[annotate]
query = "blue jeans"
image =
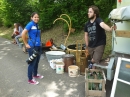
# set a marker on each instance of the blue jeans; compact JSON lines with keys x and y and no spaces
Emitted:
{"x":33,"y":66}
{"x":17,"y":38}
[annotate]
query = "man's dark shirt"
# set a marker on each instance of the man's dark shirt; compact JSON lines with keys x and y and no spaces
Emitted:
{"x":97,"y":35}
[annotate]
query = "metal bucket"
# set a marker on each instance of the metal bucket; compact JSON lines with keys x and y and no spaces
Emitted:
{"x":68,"y":59}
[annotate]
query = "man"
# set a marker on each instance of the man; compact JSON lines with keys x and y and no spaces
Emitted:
{"x":95,"y":36}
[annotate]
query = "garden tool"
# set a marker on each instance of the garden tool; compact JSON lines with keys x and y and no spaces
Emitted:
{"x":62,"y":46}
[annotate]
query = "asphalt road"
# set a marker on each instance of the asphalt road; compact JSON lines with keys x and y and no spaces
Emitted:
{"x":13,"y":77}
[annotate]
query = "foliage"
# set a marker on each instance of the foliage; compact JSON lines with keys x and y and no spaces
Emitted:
{"x":14,"y":11}
{"x":20,"y":10}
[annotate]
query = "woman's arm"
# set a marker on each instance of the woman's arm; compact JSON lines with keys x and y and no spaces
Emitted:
{"x":24,"y":37}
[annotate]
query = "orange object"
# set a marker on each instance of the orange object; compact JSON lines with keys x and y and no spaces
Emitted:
{"x":48,"y":43}
{"x":119,"y":1}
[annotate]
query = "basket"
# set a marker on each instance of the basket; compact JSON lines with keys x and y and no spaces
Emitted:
{"x":54,"y":55}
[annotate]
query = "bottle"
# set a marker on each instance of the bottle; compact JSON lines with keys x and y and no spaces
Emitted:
{"x":100,"y":77}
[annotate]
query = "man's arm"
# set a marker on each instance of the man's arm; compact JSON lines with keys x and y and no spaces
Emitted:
{"x":86,"y":38}
{"x":86,"y":41}
{"x":106,"y":27}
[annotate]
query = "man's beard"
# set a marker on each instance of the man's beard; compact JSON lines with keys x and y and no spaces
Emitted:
{"x":92,"y":17}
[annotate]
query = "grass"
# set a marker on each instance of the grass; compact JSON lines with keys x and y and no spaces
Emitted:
{"x":6,"y":32}
{"x":59,"y":36}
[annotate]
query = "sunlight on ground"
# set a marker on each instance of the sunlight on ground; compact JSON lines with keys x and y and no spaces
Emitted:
{"x":51,"y":90}
{"x":53,"y":86}
{"x":5,"y":43}
{"x":3,"y":50}
{"x":34,"y":95}
{"x":1,"y":57}
{"x":70,"y":91}
{"x":51,"y":94}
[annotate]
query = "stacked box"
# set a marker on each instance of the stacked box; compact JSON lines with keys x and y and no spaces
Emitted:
{"x":95,"y":81}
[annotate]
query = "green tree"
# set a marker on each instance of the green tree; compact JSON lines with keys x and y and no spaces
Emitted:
{"x":14,"y":11}
{"x":19,"y":11}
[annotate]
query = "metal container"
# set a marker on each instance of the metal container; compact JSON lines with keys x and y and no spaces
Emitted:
{"x":54,"y":55}
{"x":83,"y":64}
{"x":69,"y":59}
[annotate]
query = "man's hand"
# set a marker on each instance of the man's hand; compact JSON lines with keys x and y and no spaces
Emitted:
{"x":86,"y":52}
{"x":114,"y":27}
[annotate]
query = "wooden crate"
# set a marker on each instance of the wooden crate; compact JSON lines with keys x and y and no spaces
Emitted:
{"x":93,"y":93}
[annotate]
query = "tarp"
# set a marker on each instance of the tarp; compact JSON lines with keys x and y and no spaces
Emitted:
{"x":122,"y":13}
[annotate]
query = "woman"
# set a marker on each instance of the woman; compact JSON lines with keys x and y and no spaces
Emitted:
{"x":15,"y":33}
{"x":20,"y":29}
{"x":33,"y":43}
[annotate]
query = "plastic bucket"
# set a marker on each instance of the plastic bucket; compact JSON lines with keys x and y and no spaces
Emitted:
{"x":52,"y":64}
{"x":73,"y":71}
{"x":59,"y":67}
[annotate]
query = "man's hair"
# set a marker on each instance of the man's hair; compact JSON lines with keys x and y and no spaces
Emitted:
{"x":95,"y":9}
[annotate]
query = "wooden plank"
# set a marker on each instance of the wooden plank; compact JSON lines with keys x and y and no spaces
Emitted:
{"x":95,"y":93}
{"x":95,"y":80}
{"x":86,"y":88}
{"x":123,"y":33}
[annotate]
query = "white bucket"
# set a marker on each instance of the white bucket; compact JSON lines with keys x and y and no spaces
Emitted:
{"x":73,"y":71}
{"x":54,"y":61}
{"x":52,"y":64}
{"x":59,"y":67}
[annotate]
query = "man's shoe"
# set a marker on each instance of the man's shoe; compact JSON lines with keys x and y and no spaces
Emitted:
{"x":90,"y":66}
{"x":38,"y":76}
{"x":33,"y":82}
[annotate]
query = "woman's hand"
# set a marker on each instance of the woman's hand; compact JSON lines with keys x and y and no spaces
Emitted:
{"x":27,"y":46}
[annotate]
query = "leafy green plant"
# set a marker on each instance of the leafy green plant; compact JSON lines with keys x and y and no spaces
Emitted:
{"x":14,"y":11}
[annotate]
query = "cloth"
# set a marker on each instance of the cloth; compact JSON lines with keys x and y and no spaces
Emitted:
{"x":33,"y":66}
{"x":33,"y":33}
{"x":96,"y":52}
{"x":97,"y":35}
